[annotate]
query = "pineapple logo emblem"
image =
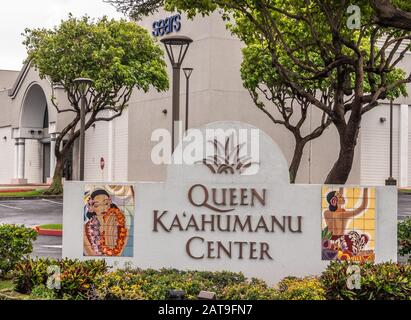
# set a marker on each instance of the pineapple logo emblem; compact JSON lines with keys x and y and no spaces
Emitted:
{"x":227,"y":158}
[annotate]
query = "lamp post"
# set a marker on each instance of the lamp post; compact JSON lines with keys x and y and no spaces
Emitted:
{"x":83,"y":86}
{"x":187,"y":73}
{"x":176,"y":47}
{"x":391,"y":181}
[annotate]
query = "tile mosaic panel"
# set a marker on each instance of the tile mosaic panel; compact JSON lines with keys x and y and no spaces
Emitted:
{"x":108,"y":220}
{"x":348,"y":224}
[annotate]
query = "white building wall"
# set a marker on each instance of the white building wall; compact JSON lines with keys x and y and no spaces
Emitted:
{"x":33,"y":161}
{"x":107,"y":140}
{"x":375,"y":145}
{"x":6,"y":155}
{"x":119,"y":152}
{"x":96,"y":148}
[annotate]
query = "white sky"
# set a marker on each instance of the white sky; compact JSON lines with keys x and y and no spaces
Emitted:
{"x":16,"y":15}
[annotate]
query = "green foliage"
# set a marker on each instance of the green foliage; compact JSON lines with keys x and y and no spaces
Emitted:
{"x":92,"y":280}
{"x":154,"y":285}
{"x":44,"y":293}
{"x":252,"y":290}
{"x":404,"y":238}
{"x":402,"y":4}
{"x":385,"y":281}
{"x":77,"y":277}
{"x":22,"y":194}
{"x":114,"y":54}
{"x":16,"y":243}
{"x":293,"y":288}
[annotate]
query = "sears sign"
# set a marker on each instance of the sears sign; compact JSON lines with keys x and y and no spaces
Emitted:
{"x":166,"y":26}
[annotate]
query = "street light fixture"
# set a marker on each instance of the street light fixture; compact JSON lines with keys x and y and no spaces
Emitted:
{"x":83,"y":86}
{"x":187,"y":73}
{"x":176,"y":48}
{"x":391,"y":181}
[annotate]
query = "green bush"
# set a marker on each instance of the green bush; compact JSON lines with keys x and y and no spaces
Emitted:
{"x":44,"y":293}
{"x":385,"y":281}
{"x":76,"y":277}
{"x":150,"y":284}
{"x":309,"y":288}
{"x":16,"y":243}
{"x":404,"y":238}
{"x":253,"y":290}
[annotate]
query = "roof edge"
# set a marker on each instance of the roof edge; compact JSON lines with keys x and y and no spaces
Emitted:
{"x":12,"y":92}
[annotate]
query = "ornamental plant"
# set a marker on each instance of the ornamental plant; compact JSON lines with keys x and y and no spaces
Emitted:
{"x":309,"y":288}
{"x":16,"y":243}
{"x":404,"y":238}
{"x":384,"y":281}
{"x":77,"y":277}
{"x":150,"y":284}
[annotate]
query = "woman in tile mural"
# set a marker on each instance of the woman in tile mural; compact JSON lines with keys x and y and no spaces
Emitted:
{"x":105,"y":231}
{"x":338,"y":242}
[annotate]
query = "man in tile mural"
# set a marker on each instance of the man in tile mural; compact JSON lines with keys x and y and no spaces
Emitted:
{"x":339,"y":241}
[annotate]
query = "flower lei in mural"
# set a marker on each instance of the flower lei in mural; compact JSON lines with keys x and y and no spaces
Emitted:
{"x":93,"y":233}
{"x":121,"y":234}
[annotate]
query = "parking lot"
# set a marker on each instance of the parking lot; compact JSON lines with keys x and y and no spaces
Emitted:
{"x":44,"y":211}
{"x":32,"y":213}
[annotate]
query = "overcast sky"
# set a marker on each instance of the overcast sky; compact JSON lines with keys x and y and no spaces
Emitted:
{"x":16,"y":15}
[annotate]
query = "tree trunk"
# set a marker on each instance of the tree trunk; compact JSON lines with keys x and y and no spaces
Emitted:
{"x":56,"y":187}
{"x":341,"y":170}
{"x":295,"y":163}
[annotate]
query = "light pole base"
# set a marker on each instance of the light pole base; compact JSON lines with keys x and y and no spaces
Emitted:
{"x":390,"y":182}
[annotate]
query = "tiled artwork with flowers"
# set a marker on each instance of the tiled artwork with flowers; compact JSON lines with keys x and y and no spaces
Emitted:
{"x":108,"y":220}
{"x":348,"y":224}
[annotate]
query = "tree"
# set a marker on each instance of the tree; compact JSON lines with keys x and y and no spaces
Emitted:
{"x":118,"y":55}
{"x":310,"y":40}
{"x":285,"y":106}
{"x":387,"y":13}
{"x":393,"y":13}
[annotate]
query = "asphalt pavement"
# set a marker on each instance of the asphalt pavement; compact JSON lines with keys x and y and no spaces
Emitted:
{"x":44,"y":211}
{"x":32,"y":213}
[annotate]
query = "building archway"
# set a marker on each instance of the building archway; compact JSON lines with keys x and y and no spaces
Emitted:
{"x":33,"y":141}
{"x":34,"y":108}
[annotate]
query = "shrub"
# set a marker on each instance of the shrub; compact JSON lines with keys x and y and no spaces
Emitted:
{"x":404,"y":238}
{"x":77,"y":277}
{"x":309,"y":288}
{"x":252,"y":290}
{"x":44,"y":293}
{"x":385,"y":281}
{"x":16,"y":243}
{"x":150,"y":284}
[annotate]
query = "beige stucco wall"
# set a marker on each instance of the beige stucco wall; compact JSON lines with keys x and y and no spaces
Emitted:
{"x":7,"y":78}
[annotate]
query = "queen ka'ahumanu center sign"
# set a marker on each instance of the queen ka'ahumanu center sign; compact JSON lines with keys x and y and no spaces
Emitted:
{"x":227,"y":210}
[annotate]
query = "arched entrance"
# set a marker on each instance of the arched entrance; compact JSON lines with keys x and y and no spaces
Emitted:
{"x":34,"y":108}
{"x":34,"y":143}
{"x":32,"y":138}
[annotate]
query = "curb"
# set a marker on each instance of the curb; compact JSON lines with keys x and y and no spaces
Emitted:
{"x":30,"y":198}
{"x":48,"y":232}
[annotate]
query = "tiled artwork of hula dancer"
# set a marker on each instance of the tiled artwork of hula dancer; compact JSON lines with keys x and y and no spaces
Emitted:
{"x":108,"y":220}
{"x":348,"y":224}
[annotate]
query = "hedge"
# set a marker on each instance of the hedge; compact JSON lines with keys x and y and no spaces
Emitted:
{"x":93,"y":280}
